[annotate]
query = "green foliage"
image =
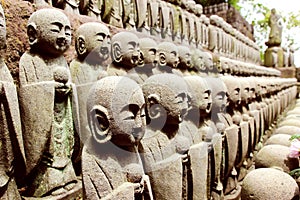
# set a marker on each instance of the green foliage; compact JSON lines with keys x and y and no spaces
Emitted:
{"x":234,"y":3}
{"x":295,"y":173}
{"x":295,"y":136}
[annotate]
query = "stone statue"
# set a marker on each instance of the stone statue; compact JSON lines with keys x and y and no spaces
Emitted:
{"x":193,"y":127}
{"x":91,"y":8}
{"x":185,"y":59}
{"x":47,"y":119}
{"x":113,"y":12}
{"x":125,"y":54}
{"x":168,"y":58}
{"x":148,"y":49}
{"x":232,"y":145}
{"x":12,"y":157}
{"x":163,"y":149}
{"x":130,"y":14}
{"x":71,"y":6}
{"x":111,"y":164}
{"x":198,"y":62}
{"x":219,"y":102}
{"x":276,"y":24}
{"x":92,"y":44}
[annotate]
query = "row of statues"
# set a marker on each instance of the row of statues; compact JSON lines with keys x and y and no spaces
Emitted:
{"x":181,"y":22}
{"x":130,"y":116}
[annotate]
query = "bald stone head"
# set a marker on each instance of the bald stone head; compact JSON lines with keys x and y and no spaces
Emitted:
{"x":115,"y":108}
{"x":185,"y":57}
{"x":148,"y":48}
{"x":125,"y":49}
{"x":201,"y":93}
{"x":93,"y":39}
{"x":198,"y":60}
{"x":219,"y":94}
{"x":166,"y":97}
{"x":49,"y":32}
{"x":168,"y":54}
{"x":233,"y":89}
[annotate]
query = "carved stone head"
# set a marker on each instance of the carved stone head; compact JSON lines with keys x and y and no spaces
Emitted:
{"x":219,"y":94}
{"x":166,"y":98}
{"x":185,"y":57}
{"x":245,"y":90}
{"x":125,"y":49}
{"x":148,"y":49}
{"x":198,"y":61}
{"x":49,"y":32}
{"x":233,"y":89}
{"x":2,"y":29}
{"x":93,"y":40}
{"x":201,"y":93}
{"x":168,"y":54}
{"x":198,"y":10}
{"x":115,"y":108}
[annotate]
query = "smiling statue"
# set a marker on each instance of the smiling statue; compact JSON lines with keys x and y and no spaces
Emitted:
{"x":111,"y":164}
{"x":47,"y":118}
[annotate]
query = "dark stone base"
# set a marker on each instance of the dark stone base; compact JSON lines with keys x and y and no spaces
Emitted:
{"x":74,"y":194}
{"x":287,"y":72}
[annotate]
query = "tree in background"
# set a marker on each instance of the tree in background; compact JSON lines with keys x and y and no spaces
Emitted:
{"x":258,"y":14}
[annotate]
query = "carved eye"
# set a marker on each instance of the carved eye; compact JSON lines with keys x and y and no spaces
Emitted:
{"x":55,"y":30}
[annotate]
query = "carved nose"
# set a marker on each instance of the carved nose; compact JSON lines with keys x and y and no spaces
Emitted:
{"x":135,"y":58}
{"x":137,"y":133}
{"x":61,"y":41}
{"x":104,"y":50}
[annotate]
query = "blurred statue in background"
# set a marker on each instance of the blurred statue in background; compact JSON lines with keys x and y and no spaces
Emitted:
{"x":276,"y":24}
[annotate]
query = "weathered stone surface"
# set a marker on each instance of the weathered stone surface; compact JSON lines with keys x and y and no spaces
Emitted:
{"x":281,"y":139}
{"x":290,"y":130}
{"x":268,"y":183}
{"x":290,"y":122}
{"x":275,"y":155}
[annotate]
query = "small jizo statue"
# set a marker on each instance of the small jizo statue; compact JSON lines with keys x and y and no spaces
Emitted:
{"x":92,"y":44}
{"x":168,"y":58}
{"x":12,"y":159}
{"x":148,"y":48}
{"x":185,"y":60}
{"x":125,"y":54}
{"x":162,"y":147}
{"x":46,"y":101}
{"x":111,"y":164}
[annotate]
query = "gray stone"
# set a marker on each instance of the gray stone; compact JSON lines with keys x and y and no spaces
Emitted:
{"x":281,"y":139}
{"x":268,"y":183}
{"x":275,"y":155}
{"x":49,"y":117}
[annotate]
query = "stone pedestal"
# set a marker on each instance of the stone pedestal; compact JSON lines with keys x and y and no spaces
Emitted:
{"x":274,"y":57}
{"x":287,"y":72}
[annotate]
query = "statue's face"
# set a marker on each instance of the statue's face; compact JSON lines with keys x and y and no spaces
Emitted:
{"x":54,"y":35}
{"x":168,"y":55}
{"x":131,"y":51}
{"x":245,"y":91}
{"x":198,"y":60}
{"x":128,"y":118}
{"x":98,"y":42}
{"x":177,"y":107}
{"x":149,"y":50}
{"x":185,"y":58}
{"x":2,"y":29}
{"x":220,"y":101}
{"x":208,"y":61}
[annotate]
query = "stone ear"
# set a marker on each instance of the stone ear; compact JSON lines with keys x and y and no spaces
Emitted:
{"x":116,"y":52}
{"x":100,"y":124}
{"x":153,"y":106}
{"x":32,"y":33}
{"x":141,"y":59}
{"x":80,"y":45}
